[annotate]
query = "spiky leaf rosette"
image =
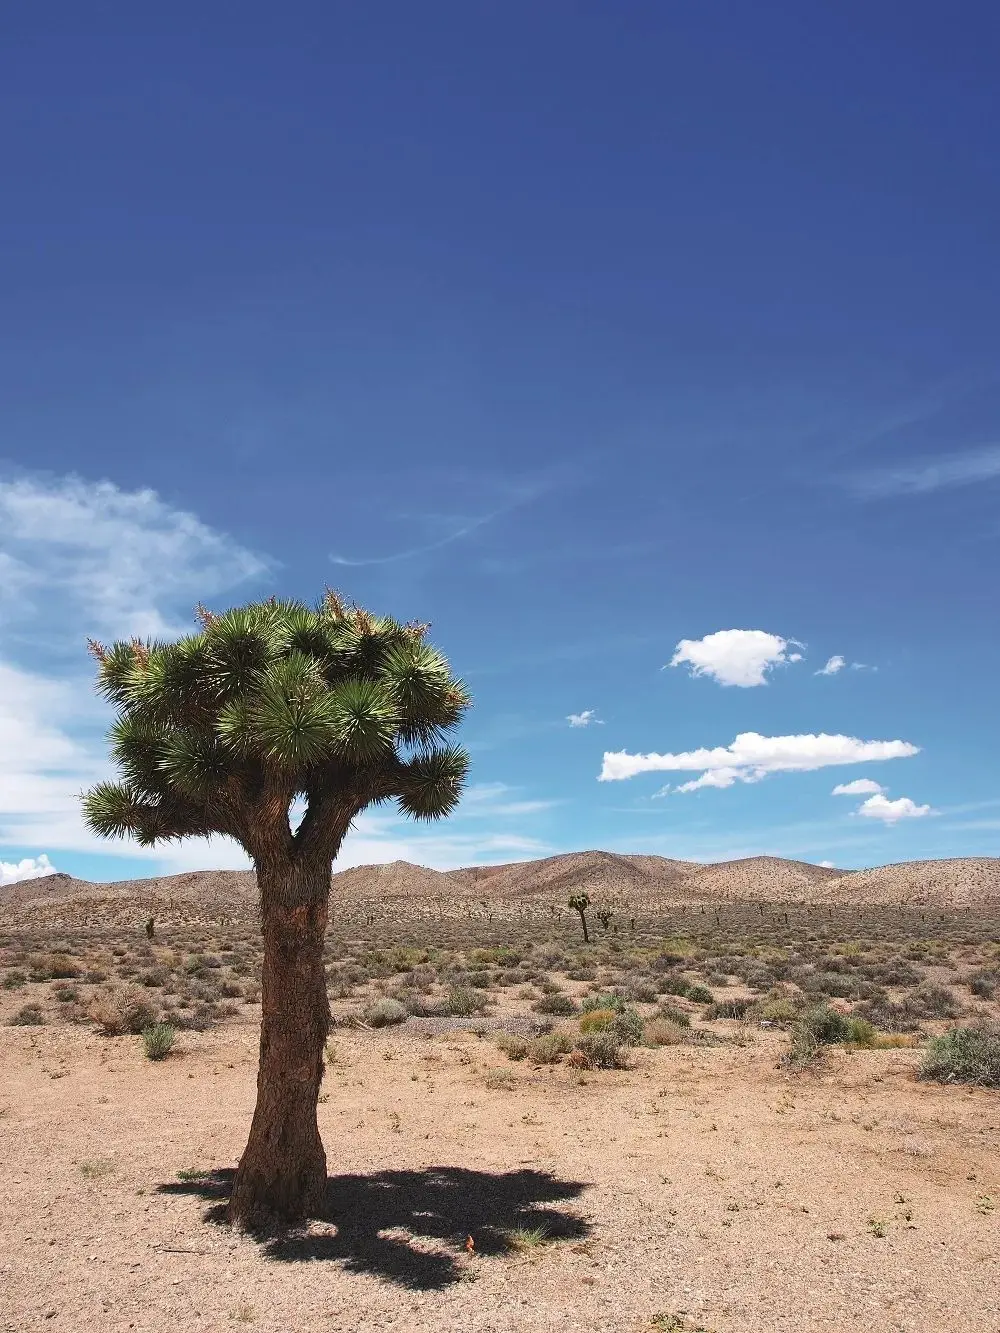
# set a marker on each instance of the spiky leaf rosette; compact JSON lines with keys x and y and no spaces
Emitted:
{"x":221,"y":731}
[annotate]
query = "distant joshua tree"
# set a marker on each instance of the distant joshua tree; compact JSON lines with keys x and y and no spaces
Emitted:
{"x":579,"y":903}
{"x":266,"y":707}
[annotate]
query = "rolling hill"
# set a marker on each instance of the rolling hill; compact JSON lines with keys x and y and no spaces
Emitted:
{"x":604,"y":876}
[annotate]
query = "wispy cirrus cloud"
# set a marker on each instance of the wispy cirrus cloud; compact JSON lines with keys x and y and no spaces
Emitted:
{"x":929,"y":474}
{"x":588,"y":718}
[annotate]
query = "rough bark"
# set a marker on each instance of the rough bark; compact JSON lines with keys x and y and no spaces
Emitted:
{"x":281,"y":1179}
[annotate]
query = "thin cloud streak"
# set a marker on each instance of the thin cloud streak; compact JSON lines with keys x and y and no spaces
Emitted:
{"x":932,"y":474}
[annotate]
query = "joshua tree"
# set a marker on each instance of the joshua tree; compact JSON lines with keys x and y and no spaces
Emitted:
{"x":579,"y":903}
{"x":276,"y":725}
{"x":604,"y":916}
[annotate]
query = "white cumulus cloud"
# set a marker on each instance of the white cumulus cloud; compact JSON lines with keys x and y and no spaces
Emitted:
{"x":752,"y":757}
{"x":859,"y":787}
{"x":31,"y":867}
{"x":735,"y":656}
{"x":890,"y":812}
{"x":585,"y":719}
{"x":834,"y":664}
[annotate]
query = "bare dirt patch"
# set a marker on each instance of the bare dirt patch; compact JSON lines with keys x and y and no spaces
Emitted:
{"x":703,"y":1185}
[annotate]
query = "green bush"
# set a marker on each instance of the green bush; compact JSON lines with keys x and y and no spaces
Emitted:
{"x":727,"y":1008}
{"x":982,"y":983}
{"x":384,"y":1013}
{"x":463,"y":1001}
{"x":626,"y":1028}
{"x":674,"y":985}
{"x":14,"y":979}
{"x":777,"y":1009}
{"x":861,"y":1033}
{"x":514,"y":1047}
{"x":965,"y":1055}
{"x":158,"y":1041}
{"x":609,"y":1001}
{"x":699,"y":994}
{"x":558,"y":1004}
{"x":827,"y":1026}
{"x":602,"y":1051}
{"x":548,"y":1049}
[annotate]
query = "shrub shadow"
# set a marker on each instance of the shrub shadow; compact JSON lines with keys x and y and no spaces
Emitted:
{"x":411,"y":1227}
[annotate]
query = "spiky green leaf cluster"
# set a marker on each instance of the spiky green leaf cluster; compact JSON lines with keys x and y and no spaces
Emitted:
{"x":268,"y":702}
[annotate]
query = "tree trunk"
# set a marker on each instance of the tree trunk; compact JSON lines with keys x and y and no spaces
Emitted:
{"x":281,"y":1177}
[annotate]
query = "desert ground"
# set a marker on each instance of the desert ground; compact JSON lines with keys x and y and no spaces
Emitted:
{"x":484,"y":1175}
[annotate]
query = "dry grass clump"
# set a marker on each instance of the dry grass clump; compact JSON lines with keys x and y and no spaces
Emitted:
{"x":123,"y":1009}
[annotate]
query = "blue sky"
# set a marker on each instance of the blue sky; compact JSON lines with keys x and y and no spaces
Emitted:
{"x":589,"y":333}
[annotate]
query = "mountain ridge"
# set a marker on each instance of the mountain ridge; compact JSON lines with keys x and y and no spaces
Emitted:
{"x":612,"y":877}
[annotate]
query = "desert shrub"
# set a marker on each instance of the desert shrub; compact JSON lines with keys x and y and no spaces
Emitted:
{"x":664,"y":1032}
{"x":158,"y":1041}
{"x":827,"y":1026}
{"x":513,"y":1046}
{"x":557,"y":1004}
{"x":66,"y":992}
{"x":596,"y":1020}
{"x":550,"y":1048}
{"x":58,"y":966}
{"x":121,"y":1010}
{"x":830,"y":983}
{"x":965,"y":1055}
{"x":462,"y":1001}
{"x":757,"y":979}
{"x":609,"y":1001}
{"x":897,"y":971}
{"x":886,"y":1014}
{"x":384,"y":1013}
{"x":96,"y":976}
{"x":736,"y":1008}
{"x":718,"y":979}
{"x":777,"y":1009}
{"x":14,"y":979}
{"x":671,"y":983}
{"x":251,"y":992}
{"x":29,"y":1015}
{"x":626,"y":1028}
{"x":602,"y":1051}
{"x":931,"y":1002}
{"x":153,"y":978}
{"x":673,"y":1013}
{"x":699,"y":994}
{"x":861,"y":1033}
{"x":983,"y":983}
{"x":640,"y":990}
{"x":582,"y":973}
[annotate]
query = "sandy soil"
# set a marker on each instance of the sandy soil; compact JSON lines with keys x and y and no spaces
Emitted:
{"x":705,"y":1184}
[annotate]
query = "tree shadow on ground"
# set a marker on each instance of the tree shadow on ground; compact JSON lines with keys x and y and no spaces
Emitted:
{"x":412,"y":1227}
